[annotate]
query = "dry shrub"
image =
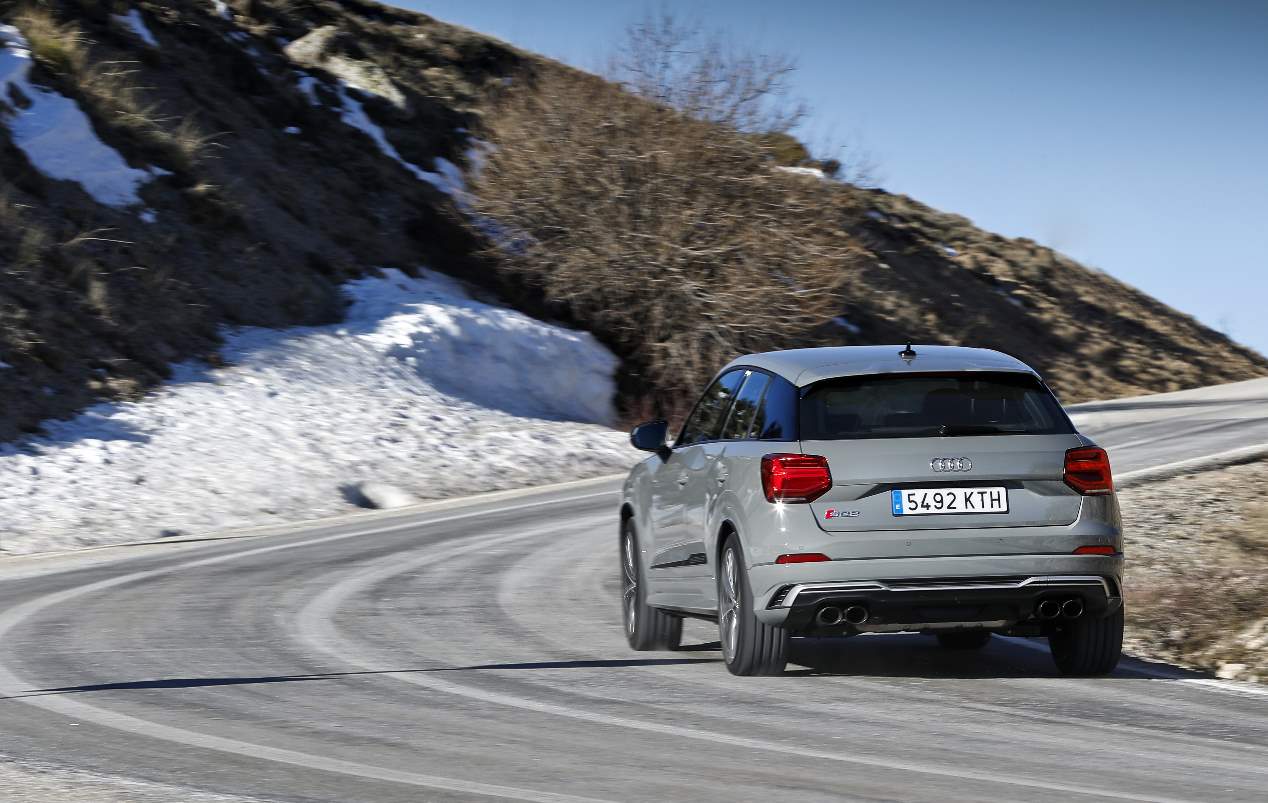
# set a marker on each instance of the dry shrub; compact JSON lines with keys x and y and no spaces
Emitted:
{"x":680,"y":65}
{"x":671,"y":238}
{"x":61,"y":49}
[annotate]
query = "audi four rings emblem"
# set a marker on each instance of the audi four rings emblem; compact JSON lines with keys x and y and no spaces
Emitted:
{"x":951,"y":464}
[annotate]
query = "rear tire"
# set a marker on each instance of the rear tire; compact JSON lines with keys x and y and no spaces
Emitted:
{"x":1088,"y":646}
{"x":749,"y":646}
{"x":964,"y":639}
{"x":646,"y":628}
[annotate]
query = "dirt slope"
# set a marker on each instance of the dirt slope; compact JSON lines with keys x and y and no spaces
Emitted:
{"x":937,"y":278}
{"x":271,"y":196}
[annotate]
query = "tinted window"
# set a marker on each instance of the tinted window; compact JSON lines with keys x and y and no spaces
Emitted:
{"x":745,"y":407}
{"x":930,"y":405}
{"x":776,"y":418}
{"x":706,"y":419}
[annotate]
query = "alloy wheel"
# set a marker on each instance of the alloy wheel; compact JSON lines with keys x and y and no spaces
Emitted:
{"x":729,"y":613}
{"x":629,"y":583}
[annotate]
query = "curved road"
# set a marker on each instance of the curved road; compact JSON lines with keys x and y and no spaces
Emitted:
{"x":474,"y":651}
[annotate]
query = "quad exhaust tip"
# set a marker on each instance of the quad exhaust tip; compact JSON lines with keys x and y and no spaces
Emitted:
{"x":831,"y":615}
{"x":1071,"y":608}
{"x":855,"y":614}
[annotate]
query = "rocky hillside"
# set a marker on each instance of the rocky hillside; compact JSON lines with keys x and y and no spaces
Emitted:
{"x":937,"y":277}
{"x":168,"y":168}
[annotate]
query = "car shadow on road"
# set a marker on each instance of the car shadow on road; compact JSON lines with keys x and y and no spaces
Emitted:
{"x":921,"y":657}
{"x":618,"y":663}
{"x":195,"y":683}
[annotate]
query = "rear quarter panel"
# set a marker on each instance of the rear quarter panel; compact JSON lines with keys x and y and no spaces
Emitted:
{"x":765,"y":530}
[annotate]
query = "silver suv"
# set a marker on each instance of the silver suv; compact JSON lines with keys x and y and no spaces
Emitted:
{"x":877,"y":489}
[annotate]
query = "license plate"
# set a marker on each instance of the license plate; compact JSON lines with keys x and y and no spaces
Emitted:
{"x":942,"y":501}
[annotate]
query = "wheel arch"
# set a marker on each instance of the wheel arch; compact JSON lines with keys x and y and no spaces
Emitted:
{"x":726,"y":531}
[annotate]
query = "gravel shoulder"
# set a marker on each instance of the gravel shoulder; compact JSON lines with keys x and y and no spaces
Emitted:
{"x":1197,"y":571}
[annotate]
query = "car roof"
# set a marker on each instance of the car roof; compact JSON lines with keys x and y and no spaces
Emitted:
{"x":807,"y":366}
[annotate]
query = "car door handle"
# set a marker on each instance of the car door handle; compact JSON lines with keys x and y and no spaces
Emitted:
{"x":682,"y":479}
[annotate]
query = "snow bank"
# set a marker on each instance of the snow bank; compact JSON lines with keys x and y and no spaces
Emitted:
{"x":55,"y":134}
{"x":421,"y":388}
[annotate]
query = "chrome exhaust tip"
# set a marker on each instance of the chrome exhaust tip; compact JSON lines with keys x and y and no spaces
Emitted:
{"x":1072,"y":608}
{"x":1048,"y":609}
{"x":855,"y":614}
{"x":829,"y":616}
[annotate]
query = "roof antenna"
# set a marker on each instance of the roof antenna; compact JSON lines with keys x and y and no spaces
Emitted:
{"x":908,"y":354}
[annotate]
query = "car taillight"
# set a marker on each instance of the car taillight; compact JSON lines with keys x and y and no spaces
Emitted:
{"x":1087,"y":470}
{"x":1096,"y":550}
{"x":795,"y":477}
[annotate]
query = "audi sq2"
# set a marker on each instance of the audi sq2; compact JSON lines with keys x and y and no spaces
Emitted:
{"x":874,"y":489}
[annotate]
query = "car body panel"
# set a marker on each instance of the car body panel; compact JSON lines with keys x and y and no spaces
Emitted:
{"x":722,"y":495}
{"x":865,"y":471}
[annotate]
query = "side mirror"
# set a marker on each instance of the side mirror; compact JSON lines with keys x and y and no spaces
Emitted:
{"x":650,"y":437}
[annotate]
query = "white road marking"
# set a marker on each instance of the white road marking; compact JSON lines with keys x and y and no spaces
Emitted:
{"x":1242,"y":453}
{"x":13,"y":686}
{"x":316,"y":627}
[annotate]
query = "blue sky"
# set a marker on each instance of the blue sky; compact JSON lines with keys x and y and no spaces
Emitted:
{"x":1132,"y":136}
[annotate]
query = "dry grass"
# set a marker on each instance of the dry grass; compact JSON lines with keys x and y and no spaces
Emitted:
{"x":110,"y":91}
{"x":1197,"y":573}
{"x":59,"y":48}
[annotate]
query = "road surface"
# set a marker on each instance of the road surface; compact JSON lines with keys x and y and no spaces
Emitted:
{"x":473,"y":651}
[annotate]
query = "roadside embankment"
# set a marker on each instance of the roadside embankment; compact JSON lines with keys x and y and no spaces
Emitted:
{"x":1197,"y":570}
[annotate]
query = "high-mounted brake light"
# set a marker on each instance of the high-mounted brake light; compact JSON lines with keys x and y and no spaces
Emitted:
{"x":1087,"y":470}
{"x":795,"y":477}
{"x":802,"y":557}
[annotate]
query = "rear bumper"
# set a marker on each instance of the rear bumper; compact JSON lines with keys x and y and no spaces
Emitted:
{"x":898,"y":594}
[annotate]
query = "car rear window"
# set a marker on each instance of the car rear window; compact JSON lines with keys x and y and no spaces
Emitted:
{"x":930,"y":405}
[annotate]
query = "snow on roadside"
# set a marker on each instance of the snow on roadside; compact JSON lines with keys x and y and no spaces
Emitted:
{"x":56,"y":135}
{"x":135,"y":23}
{"x":420,"y":387}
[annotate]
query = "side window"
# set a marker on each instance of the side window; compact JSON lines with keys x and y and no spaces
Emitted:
{"x":745,"y":407}
{"x":776,"y":419}
{"x":706,"y":419}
